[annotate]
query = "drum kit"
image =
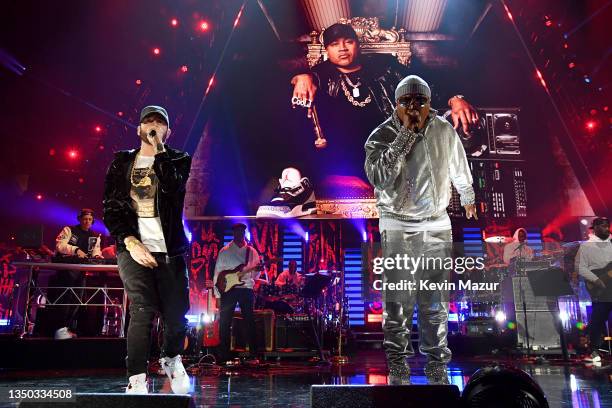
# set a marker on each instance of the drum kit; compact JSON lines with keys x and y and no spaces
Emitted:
{"x":320,"y":297}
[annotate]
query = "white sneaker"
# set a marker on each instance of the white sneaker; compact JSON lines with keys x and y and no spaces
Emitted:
{"x":179,"y":380}
{"x":138,"y":384}
{"x":63,"y":334}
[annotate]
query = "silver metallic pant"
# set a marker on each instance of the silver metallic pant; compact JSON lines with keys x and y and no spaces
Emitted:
{"x":432,"y":305}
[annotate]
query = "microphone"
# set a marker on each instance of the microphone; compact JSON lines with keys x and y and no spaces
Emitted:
{"x":159,"y":146}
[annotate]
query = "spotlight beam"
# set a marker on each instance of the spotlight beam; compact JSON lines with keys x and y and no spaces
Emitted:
{"x":214,"y":74}
{"x":269,"y":18}
{"x":558,"y":112}
{"x":587,"y":20}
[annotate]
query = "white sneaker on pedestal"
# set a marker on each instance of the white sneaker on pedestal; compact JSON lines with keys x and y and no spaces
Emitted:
{"x":179,"y":380}
{"x":138,"y":384}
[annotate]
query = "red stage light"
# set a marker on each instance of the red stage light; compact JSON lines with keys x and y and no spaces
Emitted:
{"x":119,"y":113}
{"x":51,"y":152}
{"x":571,"y":65}
{"x":138,"y":82}
{"x":156,"y":51}
{"x":374,"y":318}
{"x":605,"y":108}
{"x":204,"y":26}
{"x":174,"y":22}
{"x":377,"y":379}
{"x":566,"y":45}
{"x":541,"y":78}
{"x":81,"y":180}
{"x":508,"y":13}
{"x":101,"y":147}
{"x":39,"y":196}
{"x":593,"y":112}
{"x":591,"y":124}
{"x":184,"y":68}
{"x":98,"y":128}
{"x":73,"y":154}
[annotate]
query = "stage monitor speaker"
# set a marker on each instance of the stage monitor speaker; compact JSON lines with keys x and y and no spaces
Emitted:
{"x":404,"y":396}
{"x":116,"y":400}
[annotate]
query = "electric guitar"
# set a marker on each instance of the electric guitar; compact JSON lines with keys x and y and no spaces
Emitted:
{"x":597,"y":292}
{"x":231,"y":278}
{"x":211,"y":324}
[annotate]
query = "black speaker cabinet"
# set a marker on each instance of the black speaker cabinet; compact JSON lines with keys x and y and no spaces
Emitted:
{"x":404,"y":396}
{"x":96,"y":400}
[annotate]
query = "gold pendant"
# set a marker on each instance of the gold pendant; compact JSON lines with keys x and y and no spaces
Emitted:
{"x":355,"y":92}
{"x":146,"y":181}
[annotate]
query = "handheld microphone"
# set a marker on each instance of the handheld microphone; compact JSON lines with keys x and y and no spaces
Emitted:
{"x":152,"y":133}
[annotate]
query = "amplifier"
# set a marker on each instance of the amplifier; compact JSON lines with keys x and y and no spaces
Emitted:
{"x":295,"y":332}
{"x":541,"y":313}
{"x":265,"y":321}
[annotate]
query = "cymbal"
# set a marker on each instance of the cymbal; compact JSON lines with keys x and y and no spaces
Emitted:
{"x":499,"y":239}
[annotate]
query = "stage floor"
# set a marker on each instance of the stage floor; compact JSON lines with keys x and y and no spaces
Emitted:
{"x":287,"y":383}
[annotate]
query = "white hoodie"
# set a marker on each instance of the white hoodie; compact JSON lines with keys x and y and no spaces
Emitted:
{"x":593,"y":254}
{"x":514,"y":248}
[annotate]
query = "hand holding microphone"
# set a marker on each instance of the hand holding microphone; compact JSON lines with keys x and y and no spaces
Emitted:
{"x":158,"y":144}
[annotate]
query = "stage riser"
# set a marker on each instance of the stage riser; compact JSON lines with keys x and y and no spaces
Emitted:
{"x":59,"y":354}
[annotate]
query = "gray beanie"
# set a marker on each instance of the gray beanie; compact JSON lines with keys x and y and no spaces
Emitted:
{"x":412,"y":84}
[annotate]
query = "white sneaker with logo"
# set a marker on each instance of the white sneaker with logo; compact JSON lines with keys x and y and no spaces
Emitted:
{"x":179,"y":380}
{"x":294,"y":197}
{"x":138,"y":384}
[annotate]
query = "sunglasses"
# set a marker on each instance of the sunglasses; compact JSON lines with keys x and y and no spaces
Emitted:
{"x":408,"y":101}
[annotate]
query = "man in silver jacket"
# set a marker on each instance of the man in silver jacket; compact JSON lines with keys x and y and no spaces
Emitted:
{"x":411,"y":160}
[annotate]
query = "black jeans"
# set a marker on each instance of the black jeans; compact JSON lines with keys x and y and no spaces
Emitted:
{"x":164,"y":290}
{"x":599,"y":315}
{"x":245,"y":298}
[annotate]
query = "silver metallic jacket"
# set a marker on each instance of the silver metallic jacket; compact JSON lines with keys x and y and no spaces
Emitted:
{"x":411,"y":172}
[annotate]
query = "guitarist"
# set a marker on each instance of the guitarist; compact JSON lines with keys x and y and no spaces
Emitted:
{"x":238,"y":252}
{"x":596,"y":254}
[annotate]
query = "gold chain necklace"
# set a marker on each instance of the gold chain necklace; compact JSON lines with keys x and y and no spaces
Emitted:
{"x":350,"y":97}
{"x":146,"y":180}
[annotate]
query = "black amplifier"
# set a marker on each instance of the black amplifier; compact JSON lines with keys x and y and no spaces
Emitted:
{"x":295,"y":332}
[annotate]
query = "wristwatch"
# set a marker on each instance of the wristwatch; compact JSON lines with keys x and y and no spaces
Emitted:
{"x":129,"y":245}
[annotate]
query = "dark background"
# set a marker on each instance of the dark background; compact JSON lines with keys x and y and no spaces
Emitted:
{"x":83,"y":59}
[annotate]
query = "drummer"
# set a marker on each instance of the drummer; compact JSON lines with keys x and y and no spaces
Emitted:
{"x":290,"y":276}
